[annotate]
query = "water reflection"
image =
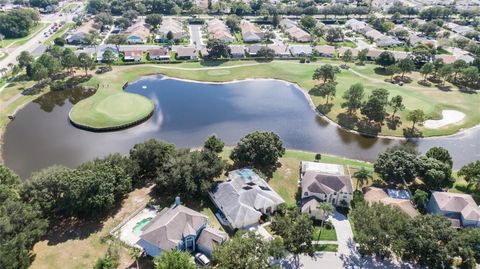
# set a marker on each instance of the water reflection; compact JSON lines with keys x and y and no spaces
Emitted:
{"x":185,"y":114}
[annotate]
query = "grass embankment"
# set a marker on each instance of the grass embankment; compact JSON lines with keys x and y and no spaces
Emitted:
{"x":22,"y":40}
{"x":415,"y":96}
{"x":105,"y":110}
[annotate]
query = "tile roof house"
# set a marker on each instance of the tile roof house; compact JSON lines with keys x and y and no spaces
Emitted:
{"x":325,"y":182}
{"x":137,"y":33}
{"x":447,"y":59}
{"x":374,"y":35}
{"x":377,"y":195}
{"x":251,"y":32}
{"x":253,"y":49}
{"x":460,"y":208}
{"x":217,"y":29}
{"x":355,"y":24}
{"x":186,"y":52}
{"x":325,"y":50}
{"x":298,"y":34}
{"x":301,"y":50}
{"x":373,"y":54}
{"x":286,"y":23}
{"x":387,"y":41}
{"x":133,"y":55}
{"x":342,"y":51}
{"x":158,"y":54}
{"x":170,"y":25}
{"x":280,"y":50}
{"x":400,"y":55}
{"x":237,"y":51}
{"x":180,"y":228}
{"x":244,"y":197}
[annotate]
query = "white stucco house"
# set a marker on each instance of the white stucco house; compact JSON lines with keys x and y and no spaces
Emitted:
{"x":459,"y":208}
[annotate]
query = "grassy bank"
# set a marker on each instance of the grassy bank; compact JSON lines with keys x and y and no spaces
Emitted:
{"x":430,"y":99}
{"x":22,"y":40}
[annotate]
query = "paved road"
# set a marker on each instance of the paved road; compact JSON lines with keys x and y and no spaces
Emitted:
{"x":196,"y":36}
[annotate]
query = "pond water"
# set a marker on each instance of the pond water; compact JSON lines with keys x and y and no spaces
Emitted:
{"x":186,"y":113}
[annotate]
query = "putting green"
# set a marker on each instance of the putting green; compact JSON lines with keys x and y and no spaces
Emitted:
{"x":110,"y":112}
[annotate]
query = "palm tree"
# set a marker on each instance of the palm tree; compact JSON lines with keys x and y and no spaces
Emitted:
{"x":135,"y":254}
{"x":362,"y":176}
{"x":327,"y":209}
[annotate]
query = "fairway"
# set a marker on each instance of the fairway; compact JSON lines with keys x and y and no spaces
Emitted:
{"x":107,"y":112}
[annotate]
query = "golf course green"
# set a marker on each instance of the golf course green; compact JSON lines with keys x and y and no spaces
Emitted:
{"x":106,"y":112}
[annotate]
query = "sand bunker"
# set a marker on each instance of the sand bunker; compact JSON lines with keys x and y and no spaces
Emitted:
{"x":449,"y":117}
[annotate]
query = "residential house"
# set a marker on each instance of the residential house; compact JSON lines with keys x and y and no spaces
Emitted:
{"x":387,"y":41}
{"x":186,"y":52}
{"x":217,"y":29}
{"x":459,"y":208}
{"x":253,"y":49}
{"x":170,"y":25}
{"x":355,"y":24}
{"x":325,"y":51}
{"x":342,"y":50}
{"x":280,"y":50}
{"x":237,"y":51}
{"x":326,"y":183}
{"x":158,"y":54}
{"x":138,"y":33}
{"x":77,"y":38}
{"x":101,"y":50}
{"x":447,"y":59}
{"x":244,"y":197}
{"x":374,"y":35}
{"x":414,"y":40}
{"x":133,"y":55}
{"x":395,"y":198}
{"x":294,"y":32}
{"x":180,"y":228}
{"x":301,"y":50}
{"x":251,"y":32}
{"x":373,"y":54}
{"x":400,"y":55}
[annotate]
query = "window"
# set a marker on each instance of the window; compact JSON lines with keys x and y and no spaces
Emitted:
{"x":306,"y":193}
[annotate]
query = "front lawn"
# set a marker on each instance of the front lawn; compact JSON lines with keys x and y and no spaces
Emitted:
{"x":326,"y":233}
{"x":326,"y":247}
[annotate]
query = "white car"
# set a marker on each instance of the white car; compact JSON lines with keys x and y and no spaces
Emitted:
{"x":202,"y":259}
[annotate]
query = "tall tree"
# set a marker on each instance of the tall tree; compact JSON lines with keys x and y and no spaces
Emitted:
{"x":396,"y":166}
{"x":440,"y":154}
{"x":260,"y":150}
{"x":406,"y":66}
{"x":85,"y":62}
{"x":374,"y":108}
{"x":326,"y":72}
{"x":325,"y":90}
{"x":149,"y":157}
{"x":397,"y":104}
{"x":362,"y":176}
{"x":174,"y":259}
{"x":353,"y":98}
{"x":471,"y":173}
{"x":385,"y":59}
{"x":416,"y":116}
{"x":347,"y":56}
{"x":217,"y":49}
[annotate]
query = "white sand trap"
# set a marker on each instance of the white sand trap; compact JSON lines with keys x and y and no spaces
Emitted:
{"x":449,"y":117}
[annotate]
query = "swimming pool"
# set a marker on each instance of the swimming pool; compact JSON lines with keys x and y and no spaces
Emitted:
{"x":137,"y":229}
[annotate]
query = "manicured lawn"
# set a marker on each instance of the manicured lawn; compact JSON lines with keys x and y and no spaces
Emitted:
{"x":326,"y":233}
{"x":326,"y":247}
{"x":111,"y":110}
{"x":430,"y":99}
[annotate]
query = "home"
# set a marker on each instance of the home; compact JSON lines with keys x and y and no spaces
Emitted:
{"x":77,"y":38}
{"x":280,"y":50}
{"x":459,"y":208}
{"x":400,"y":55}
{"x":325,"y":51}
{"x":217,"y":29}
{"x":355,"y":24}
{"x":373,"y":35}
{"x":138,"y":33}
{"x":297,"y":34}
{"x":301,"y":50}
{"x":180,"y":228}
{"x":237,"y":51}
{"x":447,"y":59}
{"x":387,"y":41}
{"x":395,"y":198}
{"x":326,"y":183}
{"x":252,"y":50}
{"x":373,"y":54}
{"x":342,"y":50}
{"x":101,"y":50}
{"x":170,"y":25}
{"x":185,"y":52}
{"x":286,"y":23}
{"x":158,"y":54}
{"x":251,"y":32}
{"x":244,"y":197}
{"x":414,"y":39}
{"x":132,"y":55}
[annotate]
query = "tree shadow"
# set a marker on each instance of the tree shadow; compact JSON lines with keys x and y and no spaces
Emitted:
{"x":325,"y":108}
{"x":368,"y":127}
{"x":347,"y":120}
{"x":467,"y":90}
{"x":424,"y":83}
{"x":393,"y":123}
{"x":412,"y":133}
{"x":381,"y":71}
{"x":444,"y":88}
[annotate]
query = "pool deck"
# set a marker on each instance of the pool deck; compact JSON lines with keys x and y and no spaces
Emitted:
{"x":125,"y":231}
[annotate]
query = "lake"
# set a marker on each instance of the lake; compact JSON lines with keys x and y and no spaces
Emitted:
{"x":186,"y":113}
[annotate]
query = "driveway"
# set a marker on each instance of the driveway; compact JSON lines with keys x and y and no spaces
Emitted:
{"x":196,"y":35}
{"x":346,"y":245}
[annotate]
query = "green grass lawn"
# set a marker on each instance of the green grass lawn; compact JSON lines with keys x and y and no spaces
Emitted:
{"x":102,"y":110}
{"x":430,"y":99}
{"x":326,"y":233}
{"x":326,"y":247}
{"x":22,"y":40}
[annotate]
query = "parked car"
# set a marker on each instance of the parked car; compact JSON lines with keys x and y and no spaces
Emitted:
{"x":202,"y":259}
